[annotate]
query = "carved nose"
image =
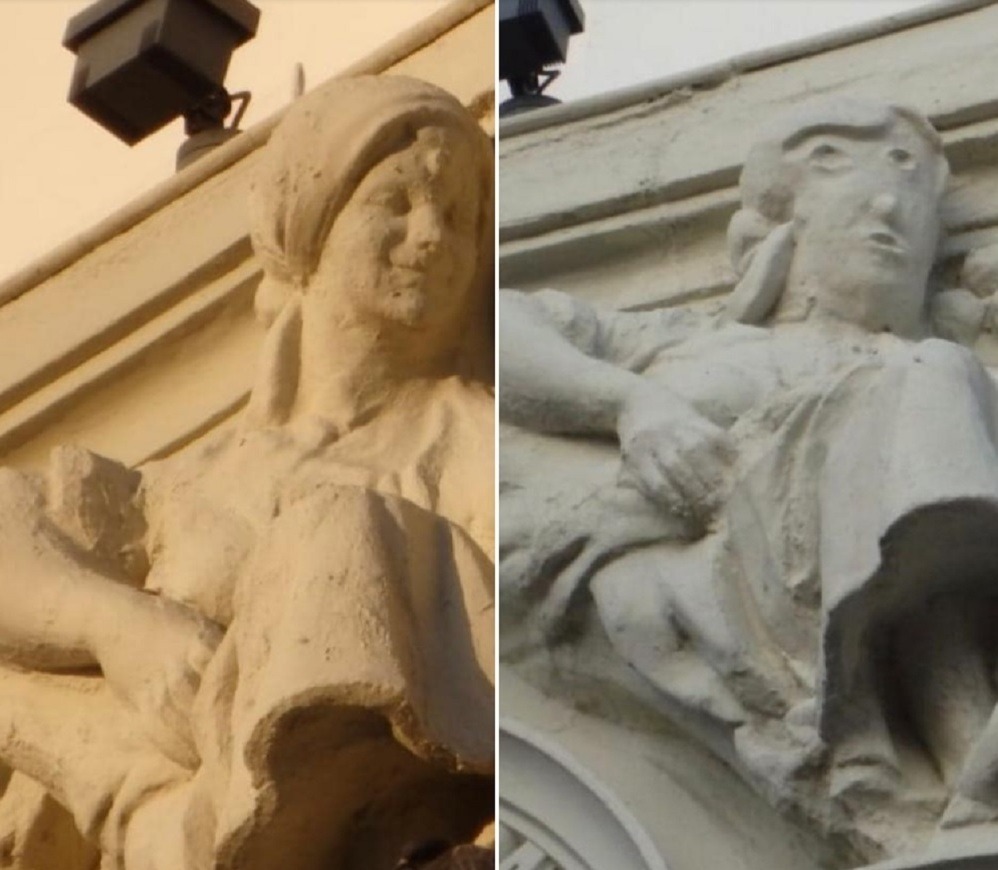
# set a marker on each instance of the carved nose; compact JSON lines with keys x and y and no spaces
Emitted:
{"x":425,"y":230}
{"x":884,"y":204}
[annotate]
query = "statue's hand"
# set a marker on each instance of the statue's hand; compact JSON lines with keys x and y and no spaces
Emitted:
{"x":674,"y":455}
{"x":153,"y":660}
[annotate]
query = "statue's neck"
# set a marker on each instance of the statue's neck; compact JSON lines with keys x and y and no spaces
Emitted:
{"x":349,"y":371}
{"x":871,"y":308}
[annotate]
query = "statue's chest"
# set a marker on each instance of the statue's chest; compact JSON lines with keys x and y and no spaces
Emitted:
{"x":206,"y":523}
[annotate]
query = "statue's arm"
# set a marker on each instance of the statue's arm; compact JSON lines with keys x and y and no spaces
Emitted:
{"x":68,"y":596}
{"x":71,"y":551}
{"x":554,"y":376}
{"x":53,"y":597}
{"x":551,"y":374}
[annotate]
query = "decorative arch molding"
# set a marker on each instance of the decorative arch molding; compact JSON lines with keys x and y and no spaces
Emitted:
{"x":555,"y":814}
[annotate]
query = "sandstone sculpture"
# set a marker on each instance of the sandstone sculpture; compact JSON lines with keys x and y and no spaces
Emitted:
{"x":292,"y":619}
{"x":781,"y":513}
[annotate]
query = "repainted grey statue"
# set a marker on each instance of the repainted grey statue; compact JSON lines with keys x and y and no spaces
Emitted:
{"x":784,"y":514}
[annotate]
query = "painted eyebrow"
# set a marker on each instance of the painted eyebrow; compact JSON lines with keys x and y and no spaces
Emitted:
{"x":805,"y":145}
{"x":864,"y":133}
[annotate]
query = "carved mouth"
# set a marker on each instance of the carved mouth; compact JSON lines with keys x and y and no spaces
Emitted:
{"x":887,"y":241}
{"x":407,"y":268}
{"x":409,"y":276}
{"x":419,"y":267}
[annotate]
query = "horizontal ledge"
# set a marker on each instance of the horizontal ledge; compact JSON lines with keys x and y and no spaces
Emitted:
{"x":21,"y":421}
{"x":127,"y":320}
{"x":714,"y":73}
{"x":963,"y":145}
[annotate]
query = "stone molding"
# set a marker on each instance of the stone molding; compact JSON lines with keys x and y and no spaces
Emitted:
{"x":559,"y":814}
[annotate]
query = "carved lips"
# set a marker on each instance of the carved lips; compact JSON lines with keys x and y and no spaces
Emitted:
{"x":887,"y":240}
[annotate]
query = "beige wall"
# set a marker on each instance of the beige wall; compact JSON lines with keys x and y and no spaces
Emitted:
{"x":61,"y":173}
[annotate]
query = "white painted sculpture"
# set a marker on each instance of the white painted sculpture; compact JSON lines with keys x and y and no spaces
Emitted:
{"x":293,"y":618}
{"x":782,"y":514}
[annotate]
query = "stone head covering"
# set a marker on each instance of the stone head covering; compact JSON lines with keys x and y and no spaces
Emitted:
{"x":321,"y":151}
{"x":324,"y":146}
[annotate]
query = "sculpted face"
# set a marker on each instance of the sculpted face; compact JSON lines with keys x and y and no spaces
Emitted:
{"x":866,"y":224}
{"x":404,"y":248}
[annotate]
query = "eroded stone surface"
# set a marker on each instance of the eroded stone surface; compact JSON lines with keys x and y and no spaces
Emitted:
{"x":275,"y":649}
{"x":781,"y":512}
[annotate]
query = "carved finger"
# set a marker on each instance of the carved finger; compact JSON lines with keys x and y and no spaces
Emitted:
{"x":722,"y":446}
{"x":644,"y":474}
{"x":641,"y":473}
{"x":709,"y":477}
{"x":638,"y":460}
{"x":678,"y":466}
{"x":687,"y":482}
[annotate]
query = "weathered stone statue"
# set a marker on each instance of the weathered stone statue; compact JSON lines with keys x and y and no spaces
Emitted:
{"x":292,"y":620}
{"x":783,"y":513}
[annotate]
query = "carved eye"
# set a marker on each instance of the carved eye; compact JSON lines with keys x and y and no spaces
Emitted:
{"x":395,"y":201}
{"x":901,"y":157}
{"x":826,"y":156}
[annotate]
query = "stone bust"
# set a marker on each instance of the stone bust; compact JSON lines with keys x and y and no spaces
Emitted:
{"x":782,"y":512}
{"x":292,"y":619}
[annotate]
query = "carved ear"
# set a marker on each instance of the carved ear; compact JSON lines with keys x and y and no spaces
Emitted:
{"x":747,"y":229}
{"x":765,"y":278}
{"x":958,"y":315}
{"x":277,"y":379}
{"x":980,"y":271}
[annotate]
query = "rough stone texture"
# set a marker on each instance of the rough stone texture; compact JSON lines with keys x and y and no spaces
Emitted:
{"x":274,"y":649}
{"x":772,"y":521}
